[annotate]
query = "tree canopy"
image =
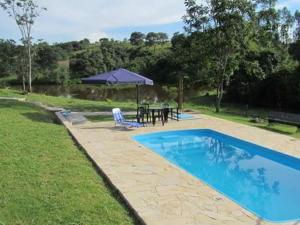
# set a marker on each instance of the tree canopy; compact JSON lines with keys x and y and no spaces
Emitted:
{"x":248,"y":51}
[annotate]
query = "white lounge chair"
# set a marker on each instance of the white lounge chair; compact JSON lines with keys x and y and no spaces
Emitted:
{"x":120,"y":120}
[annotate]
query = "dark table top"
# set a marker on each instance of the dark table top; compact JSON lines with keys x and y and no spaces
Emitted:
{"x":158,"y":107}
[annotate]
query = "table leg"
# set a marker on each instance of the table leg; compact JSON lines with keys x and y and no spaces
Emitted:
{"x":153,"y":117}
{"x":166,"y":114}
{"x":147,"y":116}
{"x":162,"y":117}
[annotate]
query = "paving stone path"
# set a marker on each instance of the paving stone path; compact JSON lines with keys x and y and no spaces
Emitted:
{"x":159,"y":192}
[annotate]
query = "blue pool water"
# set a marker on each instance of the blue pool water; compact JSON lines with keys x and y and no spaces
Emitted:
{"x":261,"y":180}
{"x":184,"y":116}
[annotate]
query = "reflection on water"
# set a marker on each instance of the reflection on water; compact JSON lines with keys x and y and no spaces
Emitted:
{"x":103,"y":92}
{"x":263,"y":185}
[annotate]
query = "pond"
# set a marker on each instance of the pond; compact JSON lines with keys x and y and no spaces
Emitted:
{"x":152,"y":94}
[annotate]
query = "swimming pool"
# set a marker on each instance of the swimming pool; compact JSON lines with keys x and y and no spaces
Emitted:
{"x":263,"y":181}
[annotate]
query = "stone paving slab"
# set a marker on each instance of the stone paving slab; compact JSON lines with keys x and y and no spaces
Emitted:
{"x":158,"y":191}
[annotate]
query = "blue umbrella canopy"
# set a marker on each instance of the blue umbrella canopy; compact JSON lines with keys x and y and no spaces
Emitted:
{"x":119,"y":76}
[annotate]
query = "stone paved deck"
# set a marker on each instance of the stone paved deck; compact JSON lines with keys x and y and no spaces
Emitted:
{"x":159,"y":192}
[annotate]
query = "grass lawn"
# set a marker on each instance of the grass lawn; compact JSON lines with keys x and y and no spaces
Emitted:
{"x":201,"y":103}
{"x":70,"y":103}
{"x":5,"y":92}
{"x":276,"y":127}
{"x":80,"y":105}
{"x":45,"y":178}
{"x":236,"y":115}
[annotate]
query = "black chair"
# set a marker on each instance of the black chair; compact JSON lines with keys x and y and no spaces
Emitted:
{"x":165,"y":111}
{"x":146,"y":110}
{"x":140,"y":115}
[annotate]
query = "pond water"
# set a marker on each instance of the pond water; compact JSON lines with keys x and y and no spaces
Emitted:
{"x":152,"y":94}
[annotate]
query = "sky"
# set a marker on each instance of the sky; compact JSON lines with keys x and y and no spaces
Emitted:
{"x":67,"y":20}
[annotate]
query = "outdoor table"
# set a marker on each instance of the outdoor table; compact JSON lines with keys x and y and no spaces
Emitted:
{"x":162,"y":113}
{"x":159,"y":111}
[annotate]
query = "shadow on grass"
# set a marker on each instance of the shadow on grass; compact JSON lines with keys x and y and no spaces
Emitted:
{"x":41,"y":117}
{"x":11,"y":104}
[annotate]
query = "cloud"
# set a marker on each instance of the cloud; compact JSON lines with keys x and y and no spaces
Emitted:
{"x":76,"y":19}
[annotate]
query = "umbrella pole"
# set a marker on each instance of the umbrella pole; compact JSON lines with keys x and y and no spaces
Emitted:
{"x":137,"y":96}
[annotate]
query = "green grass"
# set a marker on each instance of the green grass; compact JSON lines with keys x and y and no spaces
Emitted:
{"x":6,"y":92}
{"x":70,"y":103}
{"x":45,"y":177}
{"x":80,"y":105}
{"x":237,"y":114}
{"x":201,"y":102}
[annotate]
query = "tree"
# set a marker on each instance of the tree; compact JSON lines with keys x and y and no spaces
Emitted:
{"x":226,"y":26}
{"x":295,"y":50}
{"x":267,"y":21}
{"x":137,"y":38}
{"x":84,"y":43}
{"x":286,"y":24}
{"x":45,"y":56}
{"x":179,"y":62}
{"x":107,"y":56}
{"x":297,"y":30}
{"x":45,"y":61}
{"x":151,"y":38}
{"x":24,"y":13}
{"x":162,"y":37}
{"x":21,"y":67}
{"x":8,"y":51}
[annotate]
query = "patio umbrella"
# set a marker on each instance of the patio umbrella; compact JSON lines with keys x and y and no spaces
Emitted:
{"x":119,"y":77}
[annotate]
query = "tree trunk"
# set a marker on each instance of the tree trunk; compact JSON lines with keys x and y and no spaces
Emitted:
{"x":220,"y":89}
{"x":219,"y":97}
{"x":29,"y":66}
{"x":23,"y":83}
{"x":180,"y":92}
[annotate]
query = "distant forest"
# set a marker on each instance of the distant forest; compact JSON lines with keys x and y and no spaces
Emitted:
{"x":252,"y":53}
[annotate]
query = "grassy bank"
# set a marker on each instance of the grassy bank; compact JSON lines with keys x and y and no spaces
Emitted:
{"x":201,"y":103}
{"x":45,"y":178}
{"x":239,"y":116}
{"x":70,"y":103}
